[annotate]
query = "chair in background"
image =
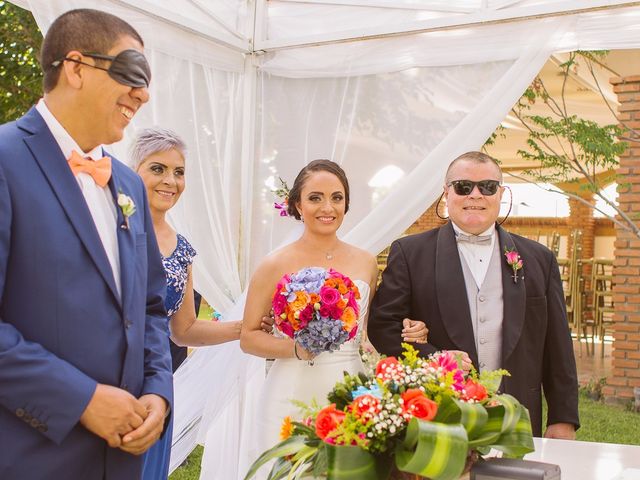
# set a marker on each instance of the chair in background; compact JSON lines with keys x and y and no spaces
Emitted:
{"x":570,"y":276}
{"x":602,"y":285}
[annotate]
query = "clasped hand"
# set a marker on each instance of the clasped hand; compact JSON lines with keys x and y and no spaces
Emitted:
{"x":124,"y":421}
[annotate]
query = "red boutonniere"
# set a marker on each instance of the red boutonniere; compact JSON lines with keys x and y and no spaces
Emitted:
{"x":514,"y":261}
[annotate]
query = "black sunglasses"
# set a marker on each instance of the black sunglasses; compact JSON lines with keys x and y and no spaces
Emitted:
{"x":465,"y":187}
{"x":128,"y":67}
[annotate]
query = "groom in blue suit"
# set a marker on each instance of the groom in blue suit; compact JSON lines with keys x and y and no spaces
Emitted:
{"x":85,"y":371}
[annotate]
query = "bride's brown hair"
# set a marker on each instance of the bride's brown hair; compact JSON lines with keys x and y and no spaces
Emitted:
{"x":316,"y":166}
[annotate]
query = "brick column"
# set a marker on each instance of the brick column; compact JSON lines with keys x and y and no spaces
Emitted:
{"x":581,"y":218}
{"x":429,"y":219}
{"x":626,"y":267}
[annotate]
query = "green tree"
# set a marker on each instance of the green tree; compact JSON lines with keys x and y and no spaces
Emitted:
{"x":20,"y":74}
{"x":564,"y":148}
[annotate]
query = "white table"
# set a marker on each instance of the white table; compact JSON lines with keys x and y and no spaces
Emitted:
{"x":589,"y":460}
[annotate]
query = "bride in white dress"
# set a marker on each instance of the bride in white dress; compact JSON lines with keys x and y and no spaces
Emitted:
{"x":320,"y":198}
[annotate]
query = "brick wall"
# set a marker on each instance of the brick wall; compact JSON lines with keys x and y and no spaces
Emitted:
{"x":626,"y":268}
{"x":429,"y":219}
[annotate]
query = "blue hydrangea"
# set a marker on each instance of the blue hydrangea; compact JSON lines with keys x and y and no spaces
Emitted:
{"x":309,"y":280}
{"x":322,"y":335}
{"x":374,"y":390}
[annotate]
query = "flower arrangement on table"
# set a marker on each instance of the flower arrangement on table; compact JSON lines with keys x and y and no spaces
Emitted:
{"x":425,"y":416}
{"x":317,"y":307}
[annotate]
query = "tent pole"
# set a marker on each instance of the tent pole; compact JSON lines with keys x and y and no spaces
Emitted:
{"x":481,"y":18}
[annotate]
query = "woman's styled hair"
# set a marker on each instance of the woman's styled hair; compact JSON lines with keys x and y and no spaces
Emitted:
{"x":154,"y":140}
{"x":316,"y":166}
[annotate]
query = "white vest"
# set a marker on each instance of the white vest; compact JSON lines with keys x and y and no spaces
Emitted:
{"x":486,"y":308}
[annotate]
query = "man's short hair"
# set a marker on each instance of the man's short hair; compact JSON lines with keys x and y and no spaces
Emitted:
{"x":85,"y":30}
{"x":474,"y":157}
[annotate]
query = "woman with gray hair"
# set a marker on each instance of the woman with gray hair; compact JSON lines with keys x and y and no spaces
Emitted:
{"x":159,"y":158}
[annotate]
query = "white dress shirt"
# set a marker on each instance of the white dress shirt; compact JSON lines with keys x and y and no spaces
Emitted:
{"x":99,"y":200}
{"x":477,"y":255}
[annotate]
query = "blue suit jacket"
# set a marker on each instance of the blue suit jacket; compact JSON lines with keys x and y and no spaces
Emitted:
{"x":63,"y":327}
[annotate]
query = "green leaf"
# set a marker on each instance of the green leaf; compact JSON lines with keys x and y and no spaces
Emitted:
{"x":518,"y":441}
{"x":354,"y":463}
{"x":290,"y":446}
{"x":434,"y":450}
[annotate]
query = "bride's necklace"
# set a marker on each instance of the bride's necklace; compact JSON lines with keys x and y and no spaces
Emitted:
{"x":328,"y":255}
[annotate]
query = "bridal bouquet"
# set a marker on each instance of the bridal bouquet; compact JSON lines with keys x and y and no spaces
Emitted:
{"x":421,"y":416}
{"x":317,"y":307}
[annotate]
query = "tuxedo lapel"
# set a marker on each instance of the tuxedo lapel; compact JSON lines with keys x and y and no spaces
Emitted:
{"x":65,"y":187}
{"x":514,"y":298}
{"x":452,"y":294}
{"x":126,"y":241}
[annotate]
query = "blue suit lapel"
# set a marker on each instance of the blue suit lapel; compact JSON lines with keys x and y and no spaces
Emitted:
{"x":64,"y":185}
{"x":514,"y":298}
{"x":126,"y":240}
{"x":452,"y":294}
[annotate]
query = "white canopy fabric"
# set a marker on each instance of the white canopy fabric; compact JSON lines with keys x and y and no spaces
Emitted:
{"x":393,"y":91}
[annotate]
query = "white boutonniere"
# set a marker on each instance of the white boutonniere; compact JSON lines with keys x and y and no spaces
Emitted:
{"x":128,"y":208}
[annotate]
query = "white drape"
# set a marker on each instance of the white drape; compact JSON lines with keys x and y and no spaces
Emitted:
{"x":399,"y":107}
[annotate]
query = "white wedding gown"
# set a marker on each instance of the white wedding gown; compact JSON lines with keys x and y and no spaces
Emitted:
{"x":246,"y":409}
{"x":291,"y":379}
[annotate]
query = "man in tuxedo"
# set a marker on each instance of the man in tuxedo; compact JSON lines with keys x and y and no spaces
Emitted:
{"x":457,"y":280}
{"x":85,"y":371}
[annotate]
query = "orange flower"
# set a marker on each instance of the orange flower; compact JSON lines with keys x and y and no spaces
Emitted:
{"x":314,"y":298}
{"x":301,"y":301}
{"x":349,"y":318}
{"x":286,"y":429}
{"x":327,"y":420}
{"x":389,"y":368}
{"x":365,"y":406}
{"x":474,"y":391}
{"x":417,"y":404}
{"x":341,"y":304}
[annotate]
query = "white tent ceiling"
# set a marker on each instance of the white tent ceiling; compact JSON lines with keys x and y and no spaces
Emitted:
{"x":258,"y":88}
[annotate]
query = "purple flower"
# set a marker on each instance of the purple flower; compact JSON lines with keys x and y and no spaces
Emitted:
{"x":308,"y":279}
{"x":322,"y":335}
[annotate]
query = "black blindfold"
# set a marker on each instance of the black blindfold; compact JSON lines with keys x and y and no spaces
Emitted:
{"x":129,"y":67}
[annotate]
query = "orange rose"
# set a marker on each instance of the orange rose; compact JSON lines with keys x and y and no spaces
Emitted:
{"x":418,"y":405}
{"x":365,"y":406}
{"x":389,"y":368}
{"x":327,"y":420}
{"x":301,"y":301}
{"x":349,"y":318}
{"x":474,"y":391}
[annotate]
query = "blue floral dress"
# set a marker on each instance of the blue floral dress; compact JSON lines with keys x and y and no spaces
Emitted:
{"x":156,"y":460}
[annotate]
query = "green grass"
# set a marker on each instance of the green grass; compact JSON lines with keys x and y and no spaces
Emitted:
{"x":600,"y":423}
{"x":190,"y":471}
{"x":607,"y":423}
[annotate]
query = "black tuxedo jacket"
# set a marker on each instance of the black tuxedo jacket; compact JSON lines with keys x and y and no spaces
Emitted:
{"x":424,"y":281}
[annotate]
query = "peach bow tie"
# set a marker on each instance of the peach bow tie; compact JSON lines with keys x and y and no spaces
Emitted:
{"x":100,"y":170}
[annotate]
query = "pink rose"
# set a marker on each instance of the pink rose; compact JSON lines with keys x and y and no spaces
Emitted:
{"x":336,"y":312}
{"x":286,"y":328}
{"x":325,"y":311}
{"x":279,"y":303}
{"x":352,"y":302}
{"x":306,"y":315}
{"x":353,"y":332}
{"x":512,"y":256}
{"x":329,"y":296}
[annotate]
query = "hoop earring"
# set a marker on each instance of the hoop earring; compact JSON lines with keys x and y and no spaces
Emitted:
{"x":510,"y":205}
{"x":437,"y":208}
